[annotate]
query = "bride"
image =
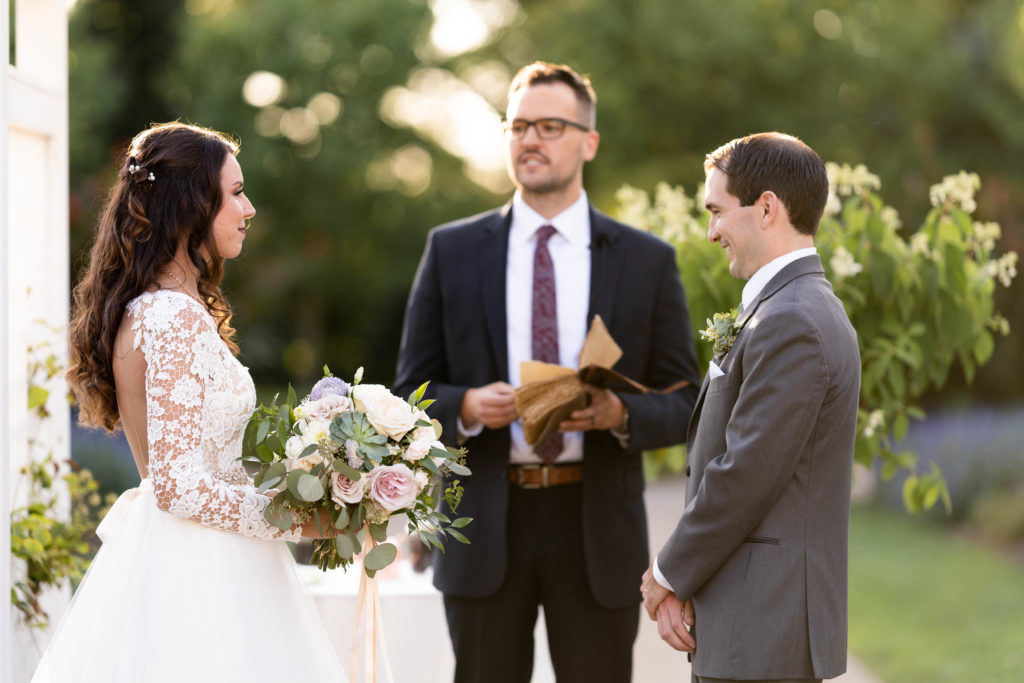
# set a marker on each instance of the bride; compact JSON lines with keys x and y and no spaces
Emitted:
{"x":191,"y":583}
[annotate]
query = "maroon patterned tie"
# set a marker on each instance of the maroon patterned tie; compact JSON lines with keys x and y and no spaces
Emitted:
{"x":545,"y":325}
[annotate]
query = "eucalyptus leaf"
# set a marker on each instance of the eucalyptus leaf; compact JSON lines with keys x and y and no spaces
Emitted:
{"x":278,"y":516}
{"x":344,"y":468}
{"x":380,"y":557}
{"x":344,"y":545}
{"x":358,"y":515}
{"x":459,"y":469}
{"x":305,"y":486}
{"x":379,"y":532}
{"x":341,"y":518}
{"x":278,"y":469}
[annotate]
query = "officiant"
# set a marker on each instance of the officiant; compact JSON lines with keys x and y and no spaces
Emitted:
{"x":559,"y":523}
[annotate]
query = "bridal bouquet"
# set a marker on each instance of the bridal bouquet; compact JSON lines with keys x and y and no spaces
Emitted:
{"x":349,"y":456}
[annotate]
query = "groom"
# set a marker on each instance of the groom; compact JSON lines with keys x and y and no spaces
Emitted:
{"x":559,"y":524}
{"x":753,"y":579}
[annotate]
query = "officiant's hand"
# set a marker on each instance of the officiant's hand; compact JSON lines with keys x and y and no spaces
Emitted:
{"x":493,"y":404}
{"x":675,"y":619}
{"x":605,"y":411}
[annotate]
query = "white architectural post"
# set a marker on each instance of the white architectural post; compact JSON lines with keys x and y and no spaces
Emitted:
{"x":33,"y":270}
{"x":6,"y":635}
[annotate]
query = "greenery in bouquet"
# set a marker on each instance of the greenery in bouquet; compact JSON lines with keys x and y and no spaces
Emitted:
{"x":921,"y":300}
{"x":349,"y":457}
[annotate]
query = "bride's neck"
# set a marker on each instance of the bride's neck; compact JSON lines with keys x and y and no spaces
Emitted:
{"x":179,"y":273}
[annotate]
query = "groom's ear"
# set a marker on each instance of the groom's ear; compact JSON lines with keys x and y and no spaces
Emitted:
{"x":771,"y":209}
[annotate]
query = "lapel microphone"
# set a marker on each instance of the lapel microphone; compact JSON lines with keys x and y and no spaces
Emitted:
{"x":601,"y":242}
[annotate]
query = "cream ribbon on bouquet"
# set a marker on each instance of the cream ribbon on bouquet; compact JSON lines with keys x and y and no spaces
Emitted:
{"x":370,"y":625}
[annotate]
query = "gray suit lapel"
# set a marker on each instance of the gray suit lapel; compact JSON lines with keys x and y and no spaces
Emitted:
{"x":808,"y":265}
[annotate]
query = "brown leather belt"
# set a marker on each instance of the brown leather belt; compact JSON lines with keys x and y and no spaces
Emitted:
{"x":544,"y":476}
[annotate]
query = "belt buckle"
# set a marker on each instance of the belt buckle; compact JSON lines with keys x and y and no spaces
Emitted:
{"x":544,"y":469}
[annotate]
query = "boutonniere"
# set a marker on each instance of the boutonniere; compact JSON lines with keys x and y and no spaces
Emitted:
{"x":721,"y":332}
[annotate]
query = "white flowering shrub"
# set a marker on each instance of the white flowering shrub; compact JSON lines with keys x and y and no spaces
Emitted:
{"x":920,"y":302}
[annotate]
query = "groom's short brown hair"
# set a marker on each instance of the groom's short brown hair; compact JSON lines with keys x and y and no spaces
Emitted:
{"x":780,"y":163}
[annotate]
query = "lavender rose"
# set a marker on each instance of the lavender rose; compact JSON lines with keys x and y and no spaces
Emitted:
{"x":329,"y":385}
{"x":393,"y":487}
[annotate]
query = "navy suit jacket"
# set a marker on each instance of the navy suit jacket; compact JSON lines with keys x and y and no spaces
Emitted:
{"x":455,"y":336}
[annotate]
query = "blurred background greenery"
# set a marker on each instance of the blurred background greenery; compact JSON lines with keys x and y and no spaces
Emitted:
{"x":365,"y":123}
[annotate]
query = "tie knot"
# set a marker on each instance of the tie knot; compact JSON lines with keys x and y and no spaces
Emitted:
{"x":544,"y":233}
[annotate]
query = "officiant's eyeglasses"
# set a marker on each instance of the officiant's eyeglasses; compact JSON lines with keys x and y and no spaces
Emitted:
{"x":547,"y":129}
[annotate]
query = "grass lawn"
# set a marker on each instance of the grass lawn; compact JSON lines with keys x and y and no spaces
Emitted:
{"x":928,"y":607}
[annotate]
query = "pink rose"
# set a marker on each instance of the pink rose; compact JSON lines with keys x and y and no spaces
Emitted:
{"x":328,"y":407}
{"x":344,"y":490}
{"x":393,"y":486}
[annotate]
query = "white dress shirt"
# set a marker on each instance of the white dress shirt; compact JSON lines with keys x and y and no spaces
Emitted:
{"x":751,"y":291}
{"x":570,"y":254}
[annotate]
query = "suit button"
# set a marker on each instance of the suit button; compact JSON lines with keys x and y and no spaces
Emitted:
{"x":687,"y":470}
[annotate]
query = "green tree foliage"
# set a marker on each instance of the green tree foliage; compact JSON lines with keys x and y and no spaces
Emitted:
{"x":329,"y":260}
{"x":918,"y":89}
{"x":920,"y":306}
{"x":915,"y":89}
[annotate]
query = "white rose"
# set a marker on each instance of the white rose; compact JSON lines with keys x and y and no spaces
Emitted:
{"x":393,"y":487}
{"x":345,"y":490}
{"x":294,"y":446}
{"x":424,"y":434}
{"x":362,"y":393}
{"x":306,"y":462}
{"x":390,"y":415}
{"x":328,"y":407}
{"x":419,"y":449}
{"x":315,"y":430}
{"x":422,"y":479}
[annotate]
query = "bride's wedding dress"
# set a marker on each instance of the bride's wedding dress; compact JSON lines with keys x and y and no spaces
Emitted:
{"x":191,"y":583}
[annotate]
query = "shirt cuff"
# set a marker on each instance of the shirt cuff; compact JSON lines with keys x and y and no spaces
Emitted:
{"x":464,"y":434}
{"x":660,"y":578}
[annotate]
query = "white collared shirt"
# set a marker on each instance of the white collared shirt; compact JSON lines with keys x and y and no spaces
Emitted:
{"x":765,"y":273}
{"x":570,"y":254}
{"x":751,"y":291}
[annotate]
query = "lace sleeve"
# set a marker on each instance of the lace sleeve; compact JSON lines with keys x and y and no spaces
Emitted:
{"x":185,"y":363}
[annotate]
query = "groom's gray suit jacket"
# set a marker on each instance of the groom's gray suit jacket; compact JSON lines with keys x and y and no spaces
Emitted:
{"x":761,"y":547}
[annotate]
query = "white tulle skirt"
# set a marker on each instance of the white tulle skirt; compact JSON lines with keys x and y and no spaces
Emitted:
{"x":169,"y":600}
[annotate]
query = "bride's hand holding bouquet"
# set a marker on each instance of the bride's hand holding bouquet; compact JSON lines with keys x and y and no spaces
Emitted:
{"x":348,"y":457}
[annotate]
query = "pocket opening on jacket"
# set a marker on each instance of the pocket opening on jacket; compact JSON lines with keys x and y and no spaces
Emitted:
{"x":761,"y":539}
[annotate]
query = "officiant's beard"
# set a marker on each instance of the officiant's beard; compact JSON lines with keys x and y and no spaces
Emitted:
{"x":547,"y":184}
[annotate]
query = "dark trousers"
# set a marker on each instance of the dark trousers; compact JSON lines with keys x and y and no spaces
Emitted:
{"x":705,"y":679}
{"x":493,"y":636}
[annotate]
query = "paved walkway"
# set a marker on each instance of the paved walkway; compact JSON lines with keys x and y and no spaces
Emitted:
{"x":654,"y":661}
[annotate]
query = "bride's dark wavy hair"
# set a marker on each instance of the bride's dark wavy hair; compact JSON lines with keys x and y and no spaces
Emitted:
{"x":168,"y":190}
